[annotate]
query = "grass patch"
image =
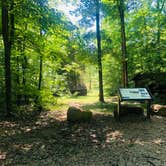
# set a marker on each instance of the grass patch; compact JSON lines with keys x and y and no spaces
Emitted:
{"x":64,"y":102}
{"x":100,"y":107}
{"x":89,"y":102}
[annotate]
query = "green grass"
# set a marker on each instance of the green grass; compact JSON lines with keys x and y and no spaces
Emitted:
{"x":89,"y":102}
{"x":65,"y":101}
{"x":106,"y":107}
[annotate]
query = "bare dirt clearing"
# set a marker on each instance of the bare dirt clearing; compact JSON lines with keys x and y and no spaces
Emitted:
{"x":49,"y":139}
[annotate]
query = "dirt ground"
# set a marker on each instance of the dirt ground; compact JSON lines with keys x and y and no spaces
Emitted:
{"x":48,"y":139}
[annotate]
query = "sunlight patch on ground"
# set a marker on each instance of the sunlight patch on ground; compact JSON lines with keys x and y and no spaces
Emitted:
{"x":139,"y":142}
{"x":112,"y":136}
{"x":158,"y":141}
{"x":24,"y":147}
{"x":2,"y":155}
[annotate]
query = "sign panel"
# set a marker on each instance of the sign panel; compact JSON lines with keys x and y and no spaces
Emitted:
{"x":134,"y":94}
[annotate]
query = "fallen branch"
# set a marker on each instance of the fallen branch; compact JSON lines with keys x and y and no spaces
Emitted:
{"x":151,"y":162}
{"x":151,"y":157}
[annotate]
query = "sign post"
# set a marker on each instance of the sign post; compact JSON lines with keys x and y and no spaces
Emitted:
{"x":134,"y":94}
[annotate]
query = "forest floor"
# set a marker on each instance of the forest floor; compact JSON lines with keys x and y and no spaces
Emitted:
{"x":48,"y":139}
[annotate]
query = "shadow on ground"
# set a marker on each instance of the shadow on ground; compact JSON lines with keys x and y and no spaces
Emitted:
{"x":50,"y":140}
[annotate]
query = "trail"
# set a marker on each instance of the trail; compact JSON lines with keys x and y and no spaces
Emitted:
{"x":49,"y":139}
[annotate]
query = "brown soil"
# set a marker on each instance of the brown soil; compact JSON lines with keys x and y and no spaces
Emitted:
{"x":49,"y":139}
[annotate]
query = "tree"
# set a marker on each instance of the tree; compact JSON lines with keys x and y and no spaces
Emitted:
{"x":146,"y":36}
{"x":159,"y":6}
{"x":99,"y":53}
{"x":8,"y":37}
{"x":31,"y":50}
{"x":90,"y":11}
{"x":123,"y":43}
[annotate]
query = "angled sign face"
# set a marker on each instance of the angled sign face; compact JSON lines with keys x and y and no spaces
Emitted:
{"x":134,"y":94}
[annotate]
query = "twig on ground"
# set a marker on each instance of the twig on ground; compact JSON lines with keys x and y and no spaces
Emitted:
{"x":151,"y":157}
{"x":151,"y":162}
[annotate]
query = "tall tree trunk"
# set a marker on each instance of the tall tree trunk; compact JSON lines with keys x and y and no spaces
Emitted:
{"x":123,"y":44}
{"x":18,"y":96}
{"x":40,"y":72}
{"x":8,"y":35}
{"x":24,"y":66}
{"x":37,"y":101}
{"x":158,"y":28}
{"x":147,"y":66}
{"x":101,"y":95}
{"x":159,"y":11}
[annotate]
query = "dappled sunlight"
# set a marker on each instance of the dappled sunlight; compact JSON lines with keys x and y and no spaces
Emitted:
{"x":50,"y":136}
{"x":159,"y":117}
{"x":71,"y":73}
{"x":112,"y":136}
{"x":23,"y":147}
{"x":158,"y":141}
{"x":8,"y":124}
{"x":81,"y":100}
{"x":140,"y":142}
{"x":58,"y":115}
{"x":2,"y":155}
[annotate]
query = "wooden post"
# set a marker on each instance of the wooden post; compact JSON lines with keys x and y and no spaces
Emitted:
{"x":148,"y":109}
{"x":118,"y":110}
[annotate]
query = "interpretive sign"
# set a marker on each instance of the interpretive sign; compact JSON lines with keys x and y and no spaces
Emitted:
{"x":134,"y":94}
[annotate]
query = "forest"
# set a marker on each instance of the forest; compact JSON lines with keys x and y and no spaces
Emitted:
{"x":54,"y":54}
{"x":44,"y":54}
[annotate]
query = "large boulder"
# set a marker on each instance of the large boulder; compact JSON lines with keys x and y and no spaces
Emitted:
{"x":79,"y":90}
{"x":76,"y":83}
{"x":75,"y":114}
{"x":159,"y":110}
{"x":155,"y":82}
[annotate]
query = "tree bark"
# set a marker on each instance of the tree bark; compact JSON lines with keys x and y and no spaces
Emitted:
{"x":123,"y":44}
{"x":8,"y":36}
{"x":18,"y":96}
{"x":101,"y":95}
{"x":158,"y":29}
{"x":24,"y":67}
{"x":37,"y":100}
{"x":159,"y":11}
{"x":40,"y":72}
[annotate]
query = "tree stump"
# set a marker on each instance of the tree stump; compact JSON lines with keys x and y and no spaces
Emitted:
{"x":75,"y":114}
